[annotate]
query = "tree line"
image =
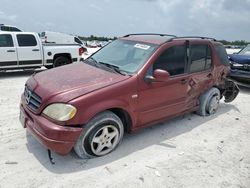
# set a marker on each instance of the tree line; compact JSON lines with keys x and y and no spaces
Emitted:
{"x":235,"y":43}
{"x":225,"y":42}
{"x":92,"y":37}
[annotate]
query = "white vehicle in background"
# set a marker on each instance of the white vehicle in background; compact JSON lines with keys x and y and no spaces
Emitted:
{"x":232,"y":50}
{"x":9,"y":28}
{"x":24,"y":50}
{"x":62,"y":38}
{"x":59,"y":38}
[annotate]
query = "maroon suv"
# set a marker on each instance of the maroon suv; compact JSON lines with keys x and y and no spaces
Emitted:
{"x":135,"y":81}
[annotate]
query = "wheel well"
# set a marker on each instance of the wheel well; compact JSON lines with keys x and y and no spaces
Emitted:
{"x":124,"y":116}
{"x":64,"y":55}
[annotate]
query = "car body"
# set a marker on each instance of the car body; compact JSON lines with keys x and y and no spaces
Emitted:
{"x":59,"y":38}
{"x":156,"y":77}
{"x":23,"y":50}
{"x":240,"y":66}
{"x":51,"y":37}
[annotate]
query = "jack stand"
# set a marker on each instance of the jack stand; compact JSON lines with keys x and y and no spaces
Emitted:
{"x":50,"y":157}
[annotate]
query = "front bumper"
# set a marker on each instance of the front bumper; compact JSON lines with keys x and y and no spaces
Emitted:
{"x":241,"y":77}
{"x":240,"y":73}
{"x":57,"y":138}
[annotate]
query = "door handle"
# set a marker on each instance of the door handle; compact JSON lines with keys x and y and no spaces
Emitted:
{"x":35,"y":50}
{"x":209,"y":75}
{"x":183,"y":81}
{"x":10,"y":50}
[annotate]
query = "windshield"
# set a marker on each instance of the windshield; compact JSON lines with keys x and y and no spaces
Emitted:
{"x":128,"y":56}
{"x":245,"y":51}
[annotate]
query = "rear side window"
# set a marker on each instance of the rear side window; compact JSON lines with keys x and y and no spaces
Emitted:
{"x":14,"y":29}
{"x":43,"y":34}
{"x":200,"y":57}
{"x":222,"y":54}
{"x":26,"y":40}
{"x":7,"y":28}
{"x":6,"y":40}
{"x":172,"y":60}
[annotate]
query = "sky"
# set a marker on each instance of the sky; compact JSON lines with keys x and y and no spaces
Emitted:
{"x":221,"y":19}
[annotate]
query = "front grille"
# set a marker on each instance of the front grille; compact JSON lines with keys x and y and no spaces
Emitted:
{"x":32,"y":99}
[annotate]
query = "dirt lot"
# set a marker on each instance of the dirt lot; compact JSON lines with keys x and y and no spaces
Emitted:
{"x":189,"y":151}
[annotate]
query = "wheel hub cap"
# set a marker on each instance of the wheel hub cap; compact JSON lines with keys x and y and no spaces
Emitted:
{"x":214,"y":104}
{"x":105,"y":140}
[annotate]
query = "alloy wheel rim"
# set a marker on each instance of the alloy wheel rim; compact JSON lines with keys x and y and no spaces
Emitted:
{"x":105,"y":140}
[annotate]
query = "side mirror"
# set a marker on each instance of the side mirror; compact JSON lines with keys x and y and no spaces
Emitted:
{"x":159,"y":75}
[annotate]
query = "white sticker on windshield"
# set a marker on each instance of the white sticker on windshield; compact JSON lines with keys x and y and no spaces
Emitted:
{"x":142,"y":46}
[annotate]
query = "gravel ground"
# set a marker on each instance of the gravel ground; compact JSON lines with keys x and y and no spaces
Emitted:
{"x":189,"y":151}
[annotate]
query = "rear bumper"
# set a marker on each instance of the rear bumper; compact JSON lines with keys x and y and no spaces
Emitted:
{"x":59,"y":139}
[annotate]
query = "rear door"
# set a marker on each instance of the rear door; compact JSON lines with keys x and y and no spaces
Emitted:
{"x":8,"y":51}
{"x":200,"y":68}
{"x":28,"y":49}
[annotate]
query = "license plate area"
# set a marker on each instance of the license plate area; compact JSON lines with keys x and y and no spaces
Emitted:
{"x":22,"y":118}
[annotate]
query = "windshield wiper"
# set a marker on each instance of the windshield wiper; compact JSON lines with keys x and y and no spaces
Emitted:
{"x":113,"y":67}
{"x":110,"y":66}
{"x":93,"y":60}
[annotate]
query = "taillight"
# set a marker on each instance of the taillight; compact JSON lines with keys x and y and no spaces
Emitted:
{"x":46,"y":39}
{"x":81,"y":51}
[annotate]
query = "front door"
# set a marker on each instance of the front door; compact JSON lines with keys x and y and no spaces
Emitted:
{"x":159,"y":100}
{"x":8,"y":53}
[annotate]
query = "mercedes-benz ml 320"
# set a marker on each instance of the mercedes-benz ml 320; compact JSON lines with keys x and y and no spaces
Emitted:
{"x":133,"y":82}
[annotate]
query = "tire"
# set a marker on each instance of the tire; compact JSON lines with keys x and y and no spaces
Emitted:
{"x":49,"y":66}
{"x":60,"y":61}
{"x":209,"y":102}
{"x":100,"y":136}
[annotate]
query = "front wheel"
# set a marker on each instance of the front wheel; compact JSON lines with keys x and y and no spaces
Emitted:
{"x":100,"y":136}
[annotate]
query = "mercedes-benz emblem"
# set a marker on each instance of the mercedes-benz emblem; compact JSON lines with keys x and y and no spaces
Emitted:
{"x":28,"y":96}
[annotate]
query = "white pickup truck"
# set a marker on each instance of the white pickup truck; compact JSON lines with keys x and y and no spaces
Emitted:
{"x":24,"y":50}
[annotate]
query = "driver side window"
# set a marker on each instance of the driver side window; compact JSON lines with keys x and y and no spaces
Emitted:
{"x":172,"y":60}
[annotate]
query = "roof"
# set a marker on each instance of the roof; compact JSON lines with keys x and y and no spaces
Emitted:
{"x":160,"y":38}
{"x":149,"y":38}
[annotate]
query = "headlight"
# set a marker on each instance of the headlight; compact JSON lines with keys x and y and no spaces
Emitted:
{"x":60,"y":111}
{"x":234,"y":64}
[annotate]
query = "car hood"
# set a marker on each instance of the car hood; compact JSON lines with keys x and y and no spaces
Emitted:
{"x":65,"y":83}
{"x":241,"y":59}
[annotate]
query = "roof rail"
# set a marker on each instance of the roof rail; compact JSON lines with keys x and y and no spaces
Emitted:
{"x":162,"y":35}
{"x":195,"y":37}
